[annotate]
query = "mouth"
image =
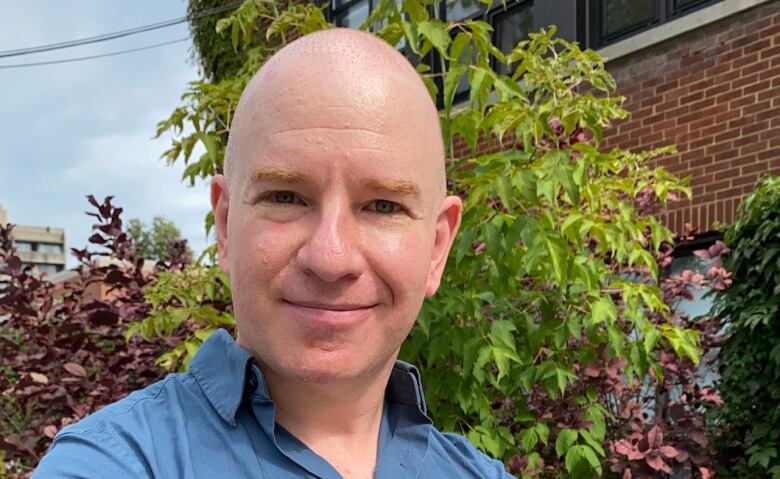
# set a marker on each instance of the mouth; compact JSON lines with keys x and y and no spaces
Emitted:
{"x":338,"y":307}
{"x":329,"y":314}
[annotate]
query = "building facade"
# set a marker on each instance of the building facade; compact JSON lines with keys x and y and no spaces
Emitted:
{"x":43,"y":247}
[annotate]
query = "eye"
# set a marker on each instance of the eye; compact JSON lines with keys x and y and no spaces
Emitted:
{"x":283,"y":197}
{"x":385,"y":207}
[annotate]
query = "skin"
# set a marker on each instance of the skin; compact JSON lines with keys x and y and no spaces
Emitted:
{"x":333,"y":225}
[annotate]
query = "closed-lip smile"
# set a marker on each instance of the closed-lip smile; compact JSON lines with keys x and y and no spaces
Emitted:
{"x":329,"y":306}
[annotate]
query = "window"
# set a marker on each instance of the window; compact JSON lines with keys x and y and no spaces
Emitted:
{"x":512,"y":27}
{"x":50,"y":248}
{"x":351,"y":14}
{"x":614,"y":20}
{"x":23,"y":246}
{"x":47,"y":268}
{"x":456,"y":10}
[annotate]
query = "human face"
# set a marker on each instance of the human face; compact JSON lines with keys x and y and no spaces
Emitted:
{"x":333,"y":231}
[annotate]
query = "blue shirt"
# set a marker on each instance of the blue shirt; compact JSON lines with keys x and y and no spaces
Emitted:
{"x":217,"y":421}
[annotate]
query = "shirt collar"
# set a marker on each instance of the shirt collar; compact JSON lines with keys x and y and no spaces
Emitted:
{"x":224,"y":372}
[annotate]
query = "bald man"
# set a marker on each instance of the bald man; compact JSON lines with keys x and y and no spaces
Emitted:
{"x":333,"y":224}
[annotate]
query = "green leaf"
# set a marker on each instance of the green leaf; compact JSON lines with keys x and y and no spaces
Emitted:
{"x":558,"y":253}
{"x":603,"y":310}
{"x":501,"y":334}
{"x":542,"y":431}
{"x":528,"y":439}
{"x":566,"y":438}
{"x":451,"y":80}
{"x":435,"y":32}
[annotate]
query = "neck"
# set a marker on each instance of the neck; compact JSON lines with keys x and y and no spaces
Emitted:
{"x":339,"y":421}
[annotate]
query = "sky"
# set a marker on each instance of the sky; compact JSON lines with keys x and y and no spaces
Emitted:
{"x":87,"y":127}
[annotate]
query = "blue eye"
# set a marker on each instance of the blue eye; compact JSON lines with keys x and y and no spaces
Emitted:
{"x":284,"y":197}
{"x":386,"y":207}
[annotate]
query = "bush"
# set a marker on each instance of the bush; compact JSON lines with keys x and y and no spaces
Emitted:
{"x":63,"y":347}
{"x":748,"y":423}
{"x":553,"y":342}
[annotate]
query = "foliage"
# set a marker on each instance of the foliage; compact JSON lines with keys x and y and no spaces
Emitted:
{"x":750,"y":356}
{"x":187,"y":306}
{"x":553,"y":342}
{"x":157,"y":241}
{"x":213,"y":52}
{"x":63,"y":348}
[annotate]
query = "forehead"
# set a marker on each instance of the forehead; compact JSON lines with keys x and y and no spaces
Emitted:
{"x":368,"y":121}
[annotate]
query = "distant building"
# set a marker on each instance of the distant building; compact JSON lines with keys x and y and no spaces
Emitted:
{"x":40,"y":246}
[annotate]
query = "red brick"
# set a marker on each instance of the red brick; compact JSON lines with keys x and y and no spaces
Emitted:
{"x":744,"y":59}
{"x":770,"y":31}
{"x":770,"y":52}
{"x":665,"y":125}
{"x":769,"y":154}
{"x":759,"y":25}
{"x":717,"y":89}
{"x":728,"y":116}
{"x":753,"y":148}
{"x":760,"y":86}
{"x":744,"y":180}
{"x":649,"y":120}
{"x":752,"y":168}
{"x":747,"y":140}
{"x":745,"y":40}
{"x":758,"y":46}
{"x":744,"y":80}
{"x":725,"y":156}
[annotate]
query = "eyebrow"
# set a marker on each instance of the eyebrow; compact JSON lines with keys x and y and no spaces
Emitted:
{"x":275,"y":174}
{"x":402,"y":187}
{"x":281,"y":174}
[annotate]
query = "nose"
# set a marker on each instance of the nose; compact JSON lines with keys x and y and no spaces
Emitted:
{"x":333,"y":250}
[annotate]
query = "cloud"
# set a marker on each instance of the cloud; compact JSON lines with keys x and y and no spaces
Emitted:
{"x":85,"y":128}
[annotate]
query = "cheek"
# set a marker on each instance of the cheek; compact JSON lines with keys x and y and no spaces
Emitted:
{"x":403,"y":260}
{"x":261,"y":249}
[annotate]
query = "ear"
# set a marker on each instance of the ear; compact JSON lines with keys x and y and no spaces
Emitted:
{"x":219,"y":205}
{"x":447,"y":224}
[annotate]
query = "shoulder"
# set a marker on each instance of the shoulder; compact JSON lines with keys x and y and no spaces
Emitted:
{"x":114,"y":441}
{"x":458,"y":452}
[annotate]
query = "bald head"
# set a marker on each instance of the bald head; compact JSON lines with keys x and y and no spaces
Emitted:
{"x":338,"y":79}
{"x":333,"y":222}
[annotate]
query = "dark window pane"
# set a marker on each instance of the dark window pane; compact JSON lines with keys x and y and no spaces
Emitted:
{"x":354,"y":16}
{"x":512,"y":28}
{"x":681,"y":4}
{"x":621,"y":15}
{"x":461,"y":9}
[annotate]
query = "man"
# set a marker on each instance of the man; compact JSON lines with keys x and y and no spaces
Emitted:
{"x":333,"y":224}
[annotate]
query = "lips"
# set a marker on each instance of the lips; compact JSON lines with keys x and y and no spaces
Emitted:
{"x":330,"y":315}
{"x":329,"y":306}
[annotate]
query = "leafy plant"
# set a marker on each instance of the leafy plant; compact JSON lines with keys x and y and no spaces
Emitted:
{"x":553,"y":342}
{"x":63,"y":350}
{"x":747,"y":424}
{"x":157,"y":241}
{"x":187,"y":306}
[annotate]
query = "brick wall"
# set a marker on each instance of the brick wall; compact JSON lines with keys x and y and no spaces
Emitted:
{"x":715,"y":94}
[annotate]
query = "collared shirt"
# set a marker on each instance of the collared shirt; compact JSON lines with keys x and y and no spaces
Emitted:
{"x":217,"y":421}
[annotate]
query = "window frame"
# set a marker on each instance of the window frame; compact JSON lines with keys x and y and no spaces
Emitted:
{"x":491,"y":16}
{"x":666,"y":11}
